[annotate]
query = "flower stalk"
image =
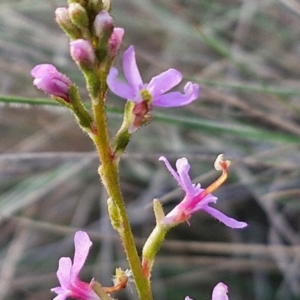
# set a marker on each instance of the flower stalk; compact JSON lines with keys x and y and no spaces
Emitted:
{"x":108,"y":172}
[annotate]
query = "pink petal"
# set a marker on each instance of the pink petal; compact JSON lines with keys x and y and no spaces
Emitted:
{"x":224,"y":219}
{"x":175,"y":99}
{"x":164,"y":82}
{"x":220,"y":292}
{"x":115,"y":41}
{"x":64,"y":272}
{"x":183,"y":168}
{"x":41,"y":70}
{"x":131,"y":70}
{"x":60,"y":296}
{"x":119,"y":88}
{"x":82,"y":244}
{"x":171,"y":170}
{"x":82,"y":51}
{"x":199,"y":202}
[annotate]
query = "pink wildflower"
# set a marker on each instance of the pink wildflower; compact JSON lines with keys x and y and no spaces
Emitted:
{"x":48,"y":79}
{"x":68,"y":273}
{"x":197,"y":198}
{"x":153,"y":93}
{"x":219,"y":292}
{"x":82,"y":52}
{"x":115,"y":41}
{"x":102,"y":23}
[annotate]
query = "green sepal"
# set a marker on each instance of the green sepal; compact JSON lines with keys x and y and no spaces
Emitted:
{"x":63,"y":102}
{"x":101,"y":49}
{"x":65,"y":23}
{"x":158,"y":211}
{"x":95,"y":6}
{"x":79,"y":16}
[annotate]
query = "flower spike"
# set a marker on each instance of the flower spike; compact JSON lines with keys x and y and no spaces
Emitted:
{"x":197,"y":198}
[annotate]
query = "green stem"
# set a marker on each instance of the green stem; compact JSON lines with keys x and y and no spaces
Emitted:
{"x":109,"y":174}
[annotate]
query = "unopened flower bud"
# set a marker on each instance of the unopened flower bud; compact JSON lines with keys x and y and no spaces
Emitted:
{"x":82,"y":52}
{"x":103,"y":23}
{"x":48,"y":79}
{"x":78,"y":15}
{"x":63,"y":20}
{"x":115,"y":41}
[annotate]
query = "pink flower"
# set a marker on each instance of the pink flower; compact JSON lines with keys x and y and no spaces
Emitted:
{"x":220,"y":292}
{"x":103,"y":22}
{"x":68,"y":273}
{"x":82,"y":52}
{"x":197,"y":198}
{"x":115,"y":41}
{"x":48,"y":79}
{"x":153,"y":93}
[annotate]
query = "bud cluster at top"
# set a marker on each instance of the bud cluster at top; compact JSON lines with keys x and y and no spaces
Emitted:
{"x":91,"y":30}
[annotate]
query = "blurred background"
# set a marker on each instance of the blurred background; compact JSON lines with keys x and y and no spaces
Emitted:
{"x":246,"y":56}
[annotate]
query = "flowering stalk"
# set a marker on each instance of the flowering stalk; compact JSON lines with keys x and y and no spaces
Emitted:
{"x":195,"y":199}
{"x":108,"y":171}
{"x":95,"y":70}
{"x":93,"y":49}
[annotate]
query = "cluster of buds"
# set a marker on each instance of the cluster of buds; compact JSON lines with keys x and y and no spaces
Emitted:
{"x":91,"y":30}
{"x":94,"y":43}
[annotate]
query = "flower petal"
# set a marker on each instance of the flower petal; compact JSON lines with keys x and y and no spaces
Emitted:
{"x":164,"y":82}
{"x":199,"y":202}
{"x":224,"y":219}
{"x":41,"y":70}
{"x":171,"y":170}
{"x":131,"y":70}
{"x":82,"y":244}
{"x":175,"y":99}
{"x":64,"y":272}
{"x":183,"y":168}
{"x":220,"y":292}
{"x":60,"y":296}
{"x":119,"y":88}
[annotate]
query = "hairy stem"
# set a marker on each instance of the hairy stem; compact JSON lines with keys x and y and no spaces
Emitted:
{"x":108,"y":172}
